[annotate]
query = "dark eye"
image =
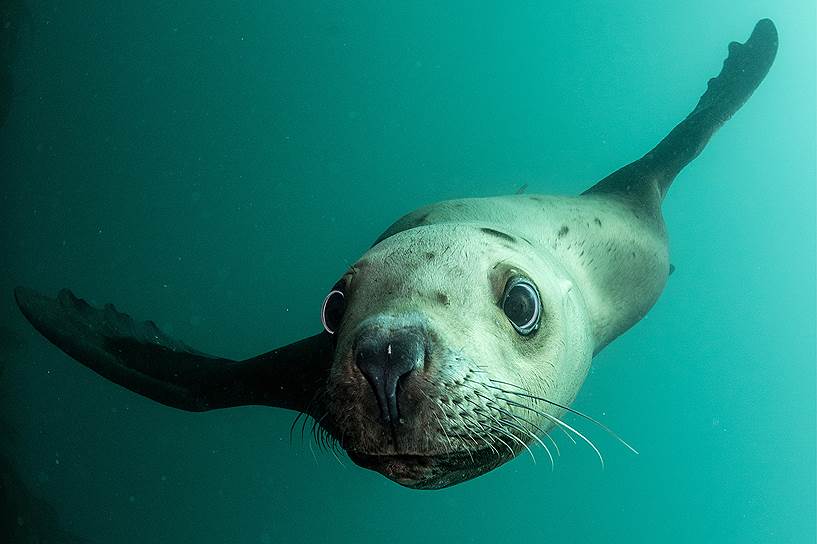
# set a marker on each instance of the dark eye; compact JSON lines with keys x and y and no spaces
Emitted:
{"x":522,"y":305}
{"x":332,"y":310}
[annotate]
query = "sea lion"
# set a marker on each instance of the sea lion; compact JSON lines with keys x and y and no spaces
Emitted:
{"x":461,"y":337}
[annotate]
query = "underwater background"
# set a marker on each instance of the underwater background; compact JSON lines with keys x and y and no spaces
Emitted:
{"x":216,"y":166}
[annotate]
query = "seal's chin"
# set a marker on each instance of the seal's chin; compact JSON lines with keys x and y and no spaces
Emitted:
{"x":429,"y":471}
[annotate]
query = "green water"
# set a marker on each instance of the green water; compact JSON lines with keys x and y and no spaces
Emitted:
{"x":216,"y":167}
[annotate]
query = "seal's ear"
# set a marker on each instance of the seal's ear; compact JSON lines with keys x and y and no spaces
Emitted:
{"x":142,"y":358}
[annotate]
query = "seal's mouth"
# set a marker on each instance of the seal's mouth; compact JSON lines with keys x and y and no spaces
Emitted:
{"x":400,"y":468}
{"x":432,"y":471}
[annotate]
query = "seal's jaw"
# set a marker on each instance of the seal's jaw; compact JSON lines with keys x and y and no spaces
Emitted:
{"x":430,"y":471}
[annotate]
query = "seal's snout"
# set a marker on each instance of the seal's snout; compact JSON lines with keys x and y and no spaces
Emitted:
{"x":385,"y":357}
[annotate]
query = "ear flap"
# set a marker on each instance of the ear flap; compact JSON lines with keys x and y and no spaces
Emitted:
{"x":140,"y":357}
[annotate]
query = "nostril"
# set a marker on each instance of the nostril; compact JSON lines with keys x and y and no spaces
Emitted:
{"x":384,"y":358}
{"x":373,"y":369}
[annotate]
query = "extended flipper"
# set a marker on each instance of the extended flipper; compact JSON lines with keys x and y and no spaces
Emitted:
{"x":648,"y":179}
{"x":140,"y":357}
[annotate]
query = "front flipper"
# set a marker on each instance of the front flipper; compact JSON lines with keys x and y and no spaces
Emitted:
{"x":140,"y":357}
{"x":648,"y":179}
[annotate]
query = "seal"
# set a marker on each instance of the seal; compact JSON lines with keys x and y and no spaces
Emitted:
{"x":462,"y":336}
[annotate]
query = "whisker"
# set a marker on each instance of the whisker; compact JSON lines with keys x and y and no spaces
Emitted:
{"x":580,"y":435}
{"x":303,"y":427}
{"x":490,"y":415}
{"x":306,"y":415}
{"x":568,"y":435}
{"x":569,"y":409}
{"x":495,"y":406}
{"x":430,"y":400}
{"x":448,"y":438}
{"x":514,"y":437}
{"x":550,"y":456}
{"x":478,"y":435}
{"x":292,"y":427}
{"x":315,"y":457}
{"x":495,"y":437}
{"x":318,"y":432}
{"x":508,"y":383}
{"x":468,"y":451}
{"x":480,"y":410}
{"x":526,"y":407}
{"x":335,"y":454}
{"x":559,"y":422}
{"x":555,"y":445}
{"x":344,"y":425}
{"x":469,"y":434}
{"x":329,"y":439}
{"x":520,"y":418}
{"x":315,"y":434}
{"x":491,"y":446}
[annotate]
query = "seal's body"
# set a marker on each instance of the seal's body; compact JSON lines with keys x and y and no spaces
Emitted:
{"x":464,"y":333}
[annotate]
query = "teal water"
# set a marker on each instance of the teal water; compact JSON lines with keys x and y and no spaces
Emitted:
{"x":216,"y":167}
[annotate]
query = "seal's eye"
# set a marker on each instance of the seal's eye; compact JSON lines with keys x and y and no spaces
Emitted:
{"x":332,"y":310}
{"x":522,"y":305}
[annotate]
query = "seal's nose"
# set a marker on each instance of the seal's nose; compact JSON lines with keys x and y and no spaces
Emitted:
{"x":386,"y":356}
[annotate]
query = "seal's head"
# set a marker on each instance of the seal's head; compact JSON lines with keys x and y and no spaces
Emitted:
{"x":445,"y":335}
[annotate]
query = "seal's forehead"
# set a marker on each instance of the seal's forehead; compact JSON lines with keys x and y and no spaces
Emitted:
{"x":434,"y":255}
{"x":450,"y":237}
{"x":441,"y":268}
